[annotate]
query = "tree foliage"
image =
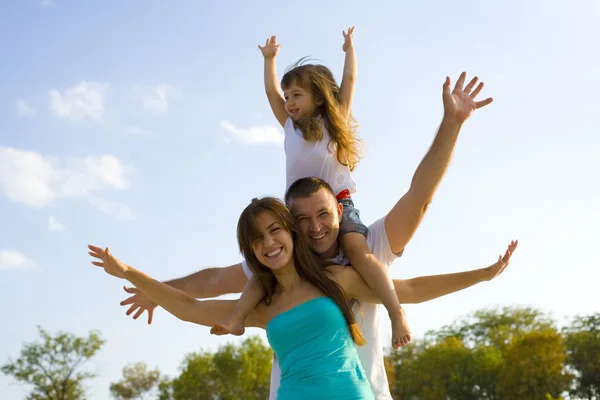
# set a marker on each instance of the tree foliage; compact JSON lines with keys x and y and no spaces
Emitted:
{"x":137,"y":381}
{"x":493,"y":354}
{"x":233,"y":372}
{"x":582,"y":339}
{"x":53,"y":366}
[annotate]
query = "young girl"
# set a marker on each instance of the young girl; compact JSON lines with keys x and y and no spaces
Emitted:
{"x":321,"y":141}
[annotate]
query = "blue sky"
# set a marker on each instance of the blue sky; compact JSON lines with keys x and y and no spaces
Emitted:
{"x":143,"y":126}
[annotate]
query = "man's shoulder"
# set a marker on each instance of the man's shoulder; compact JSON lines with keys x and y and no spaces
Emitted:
{"x":377,"y":233}
{"x":378,"y":242}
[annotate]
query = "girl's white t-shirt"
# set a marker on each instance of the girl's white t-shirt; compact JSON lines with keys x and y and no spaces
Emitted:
{"x":305,"y":159}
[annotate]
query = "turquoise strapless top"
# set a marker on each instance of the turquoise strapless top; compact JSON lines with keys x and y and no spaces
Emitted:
{"x":316,"y":354}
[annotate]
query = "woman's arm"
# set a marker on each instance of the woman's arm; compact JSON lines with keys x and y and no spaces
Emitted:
{"x":176,"y":302}
{"x":424,"y":288}
{"x":184,"y":306}
{"x":276,"y":100}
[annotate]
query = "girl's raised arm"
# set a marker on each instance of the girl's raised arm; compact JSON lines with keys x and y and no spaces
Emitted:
{"x":272,"y":88}
{"x":350,"y":72}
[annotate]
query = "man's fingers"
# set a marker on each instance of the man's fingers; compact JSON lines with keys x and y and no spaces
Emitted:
{"x":137,"y":314}
{"x":127,"y":301}
{"x":477,"y":90}
{"x":470,"y":85}
{"x":461,"y":81}
{"x":446,"y":87}
{"x":132,"y":309}
{"x":98,"y":264}
{"x":483,"y":103}
{"x":150,"y":315}
{"x":131,"y":290}
{"x":95,"y":249}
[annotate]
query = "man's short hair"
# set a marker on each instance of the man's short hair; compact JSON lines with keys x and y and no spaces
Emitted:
{"x":305,"y":187}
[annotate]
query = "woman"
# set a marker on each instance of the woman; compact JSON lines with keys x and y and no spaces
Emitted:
{"x":305,"y":311}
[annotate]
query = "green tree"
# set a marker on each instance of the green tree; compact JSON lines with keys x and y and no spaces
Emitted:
{"x":534,"y":367}
{"x":482,"y":356}
{"x":137,"y":381}
{"x":582,"y":340}
{"x":53,"y":365}
{"x":390,"y":371}
{"x":196,"y":380}
{"x":495,"y":326}
{"x":444,"y":370}
{"x":165,"y":389}
{"x":248,"y":365}
{"x":233,"y":372}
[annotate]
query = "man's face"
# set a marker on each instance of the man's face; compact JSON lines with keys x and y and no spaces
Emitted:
{"x":319,"y":218}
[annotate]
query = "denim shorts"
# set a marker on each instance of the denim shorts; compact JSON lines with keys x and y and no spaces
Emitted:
{"x":351,"y":219}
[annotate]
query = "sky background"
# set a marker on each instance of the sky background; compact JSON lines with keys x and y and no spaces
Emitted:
{"x":143,"y":126}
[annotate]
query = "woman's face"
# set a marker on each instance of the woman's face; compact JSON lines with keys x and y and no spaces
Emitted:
{"x":274,"y":246}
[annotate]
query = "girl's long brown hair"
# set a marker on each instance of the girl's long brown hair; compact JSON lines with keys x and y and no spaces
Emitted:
{"x":319,"y":80}
{"x":309,"y":266}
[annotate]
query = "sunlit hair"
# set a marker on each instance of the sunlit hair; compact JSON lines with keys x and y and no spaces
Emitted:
{"x":309,"y":266}
{"x":319,"y":80}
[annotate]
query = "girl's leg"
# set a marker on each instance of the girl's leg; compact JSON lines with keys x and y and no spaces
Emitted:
{"x":250,"y":298}
{"x":377,"y":276}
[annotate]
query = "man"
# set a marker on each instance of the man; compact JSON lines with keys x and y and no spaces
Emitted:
{"x":313,"y":204}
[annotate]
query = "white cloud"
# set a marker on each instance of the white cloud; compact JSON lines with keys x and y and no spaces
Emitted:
{"x":156,"y":99}
{"x":118,"y":210}
{"x":32,"y":179}
{"x":27,"y":177}
{"x":24,"y":110}
{"x":84,"y":100}
{"x":11,"y":259}
{"x":85,"y":176}
{"x":254,"y":135}
{"x":54,"y":225}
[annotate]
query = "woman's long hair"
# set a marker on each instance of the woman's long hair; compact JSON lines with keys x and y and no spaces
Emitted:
{"x":309,"y":266}
{"x":319,"y":80}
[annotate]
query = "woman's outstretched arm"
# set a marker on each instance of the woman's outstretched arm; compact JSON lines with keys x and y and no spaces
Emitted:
{"x":176,"y":302}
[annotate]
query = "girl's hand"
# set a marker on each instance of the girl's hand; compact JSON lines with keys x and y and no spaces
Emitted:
{"x":111,"y":265}
{"x":348,"y":39}
{"x":270,"y":49}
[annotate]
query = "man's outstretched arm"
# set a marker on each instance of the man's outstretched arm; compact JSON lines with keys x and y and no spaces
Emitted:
{"x":423,"y":288}
{"x":404,"y":219}
{"x":206,"y":283}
